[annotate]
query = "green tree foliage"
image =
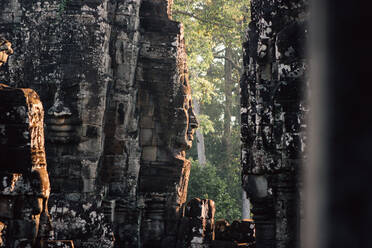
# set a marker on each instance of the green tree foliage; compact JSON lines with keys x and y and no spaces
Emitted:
{"x":214,"y":32}
{"x":206,"y":182}
{"x":210,"y":27}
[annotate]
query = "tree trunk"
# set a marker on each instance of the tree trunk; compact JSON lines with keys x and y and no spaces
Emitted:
{"x":226,"y":139}
{"x":199,"y":137}
{"x":246,"y":206}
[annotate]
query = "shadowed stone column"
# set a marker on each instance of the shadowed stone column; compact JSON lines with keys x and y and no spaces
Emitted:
{"x":121,"y":153}
{"x":74,"y":59}
{"x":167,"y":123}
{"x":273,"y":118}
{"x":25,"y":188}
{"x":25,"y":185}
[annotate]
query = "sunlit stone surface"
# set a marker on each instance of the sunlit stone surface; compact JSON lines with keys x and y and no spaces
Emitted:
{"x":25,"y":187}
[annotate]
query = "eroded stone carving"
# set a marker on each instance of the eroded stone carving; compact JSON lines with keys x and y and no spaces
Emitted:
{"x":66,"y":59}
{"x":167,"y":123}
{"x":197,"y":226}
{"x":25,"y":187}
{"x":239,"y":234}
{"x":273,"y":118}
{"x":113,"y":81}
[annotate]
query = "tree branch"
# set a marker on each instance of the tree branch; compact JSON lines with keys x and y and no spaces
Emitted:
{"x":231,"y":61}
{"x":200,"y":19}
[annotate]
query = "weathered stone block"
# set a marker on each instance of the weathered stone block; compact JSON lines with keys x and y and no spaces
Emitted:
{"x":116,"y":188}
{"x":148,"y":110}
{"x":242,"y":231}
{"x":147,"y":122}
{"x":57,"y":244}
{"x":257,"y":186}
{"x":198,"y":208}
{"x":72,"y":185}
{"x":162,"y":155}
{"x":73,"y":197}
{"x":6,"y":208}
{"x":222,"y":230}
{"x":160,"y":25}
{"x":89,"y":185}
{"x":197,"y":227}
{"x":223,"y":244}
{"x":146,"y":136}
{"x":149,"y":153}
{"x":59,"y":172}
{"x":89,"y":169}
{"x":74,"y":170}
{"x":23,"y":229}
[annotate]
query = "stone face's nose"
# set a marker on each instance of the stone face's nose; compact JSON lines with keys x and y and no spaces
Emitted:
{"x":59,"y":109}
{"x":193,"y":121}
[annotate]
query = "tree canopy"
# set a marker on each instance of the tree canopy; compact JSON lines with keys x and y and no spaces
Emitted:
{"x":214,"y":33}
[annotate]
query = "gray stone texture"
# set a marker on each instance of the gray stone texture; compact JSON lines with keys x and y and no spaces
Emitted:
{"x":197,"y":226}
{"x":167,"y":123}
{"x":25,"y":187}
{"x":112,"y":77}
{"x":241,"y":233}
{"x":273,"y":110}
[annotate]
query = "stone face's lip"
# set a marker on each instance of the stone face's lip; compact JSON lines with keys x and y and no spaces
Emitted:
{"x":61,"y":128}
{"x":62,"y":134}
{"x":63,"y":139}
{"x":62,"y":121}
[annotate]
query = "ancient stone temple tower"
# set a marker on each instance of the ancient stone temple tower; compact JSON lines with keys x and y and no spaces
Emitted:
{"x":112,"y":77}
{"x":273,"y":113}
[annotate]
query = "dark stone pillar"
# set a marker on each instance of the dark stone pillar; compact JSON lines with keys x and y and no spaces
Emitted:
{"x":339,"y":172}
{"x":273,"y":118}
{"x":25,"y":188}
{"x":167,"y":123}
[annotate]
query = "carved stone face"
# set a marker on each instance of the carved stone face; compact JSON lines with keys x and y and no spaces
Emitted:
{"x":75,"y":115}
{"x":5,"y":51}
{"x":192,"y":125}
{"x":25,"y":189}
{"x":72,"y":86}
{"x":186,"y":123}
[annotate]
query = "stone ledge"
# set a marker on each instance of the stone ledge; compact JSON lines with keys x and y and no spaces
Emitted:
{"x":57,"y":244}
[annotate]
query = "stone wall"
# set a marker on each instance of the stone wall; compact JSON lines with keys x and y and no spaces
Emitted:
{"x":167,"y":123}
{"x":64,"y":57}
{"x":112,"y":77}
{"x":273,"y":113}
{"x":25,"y":187}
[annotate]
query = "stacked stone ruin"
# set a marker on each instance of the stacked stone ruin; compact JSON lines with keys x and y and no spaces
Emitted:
{"x":25,"y":188}
{"x":112,"y":77}
{"x":113,"y":80}
{"x":197,"y":226}
{"x":273,"y":111}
